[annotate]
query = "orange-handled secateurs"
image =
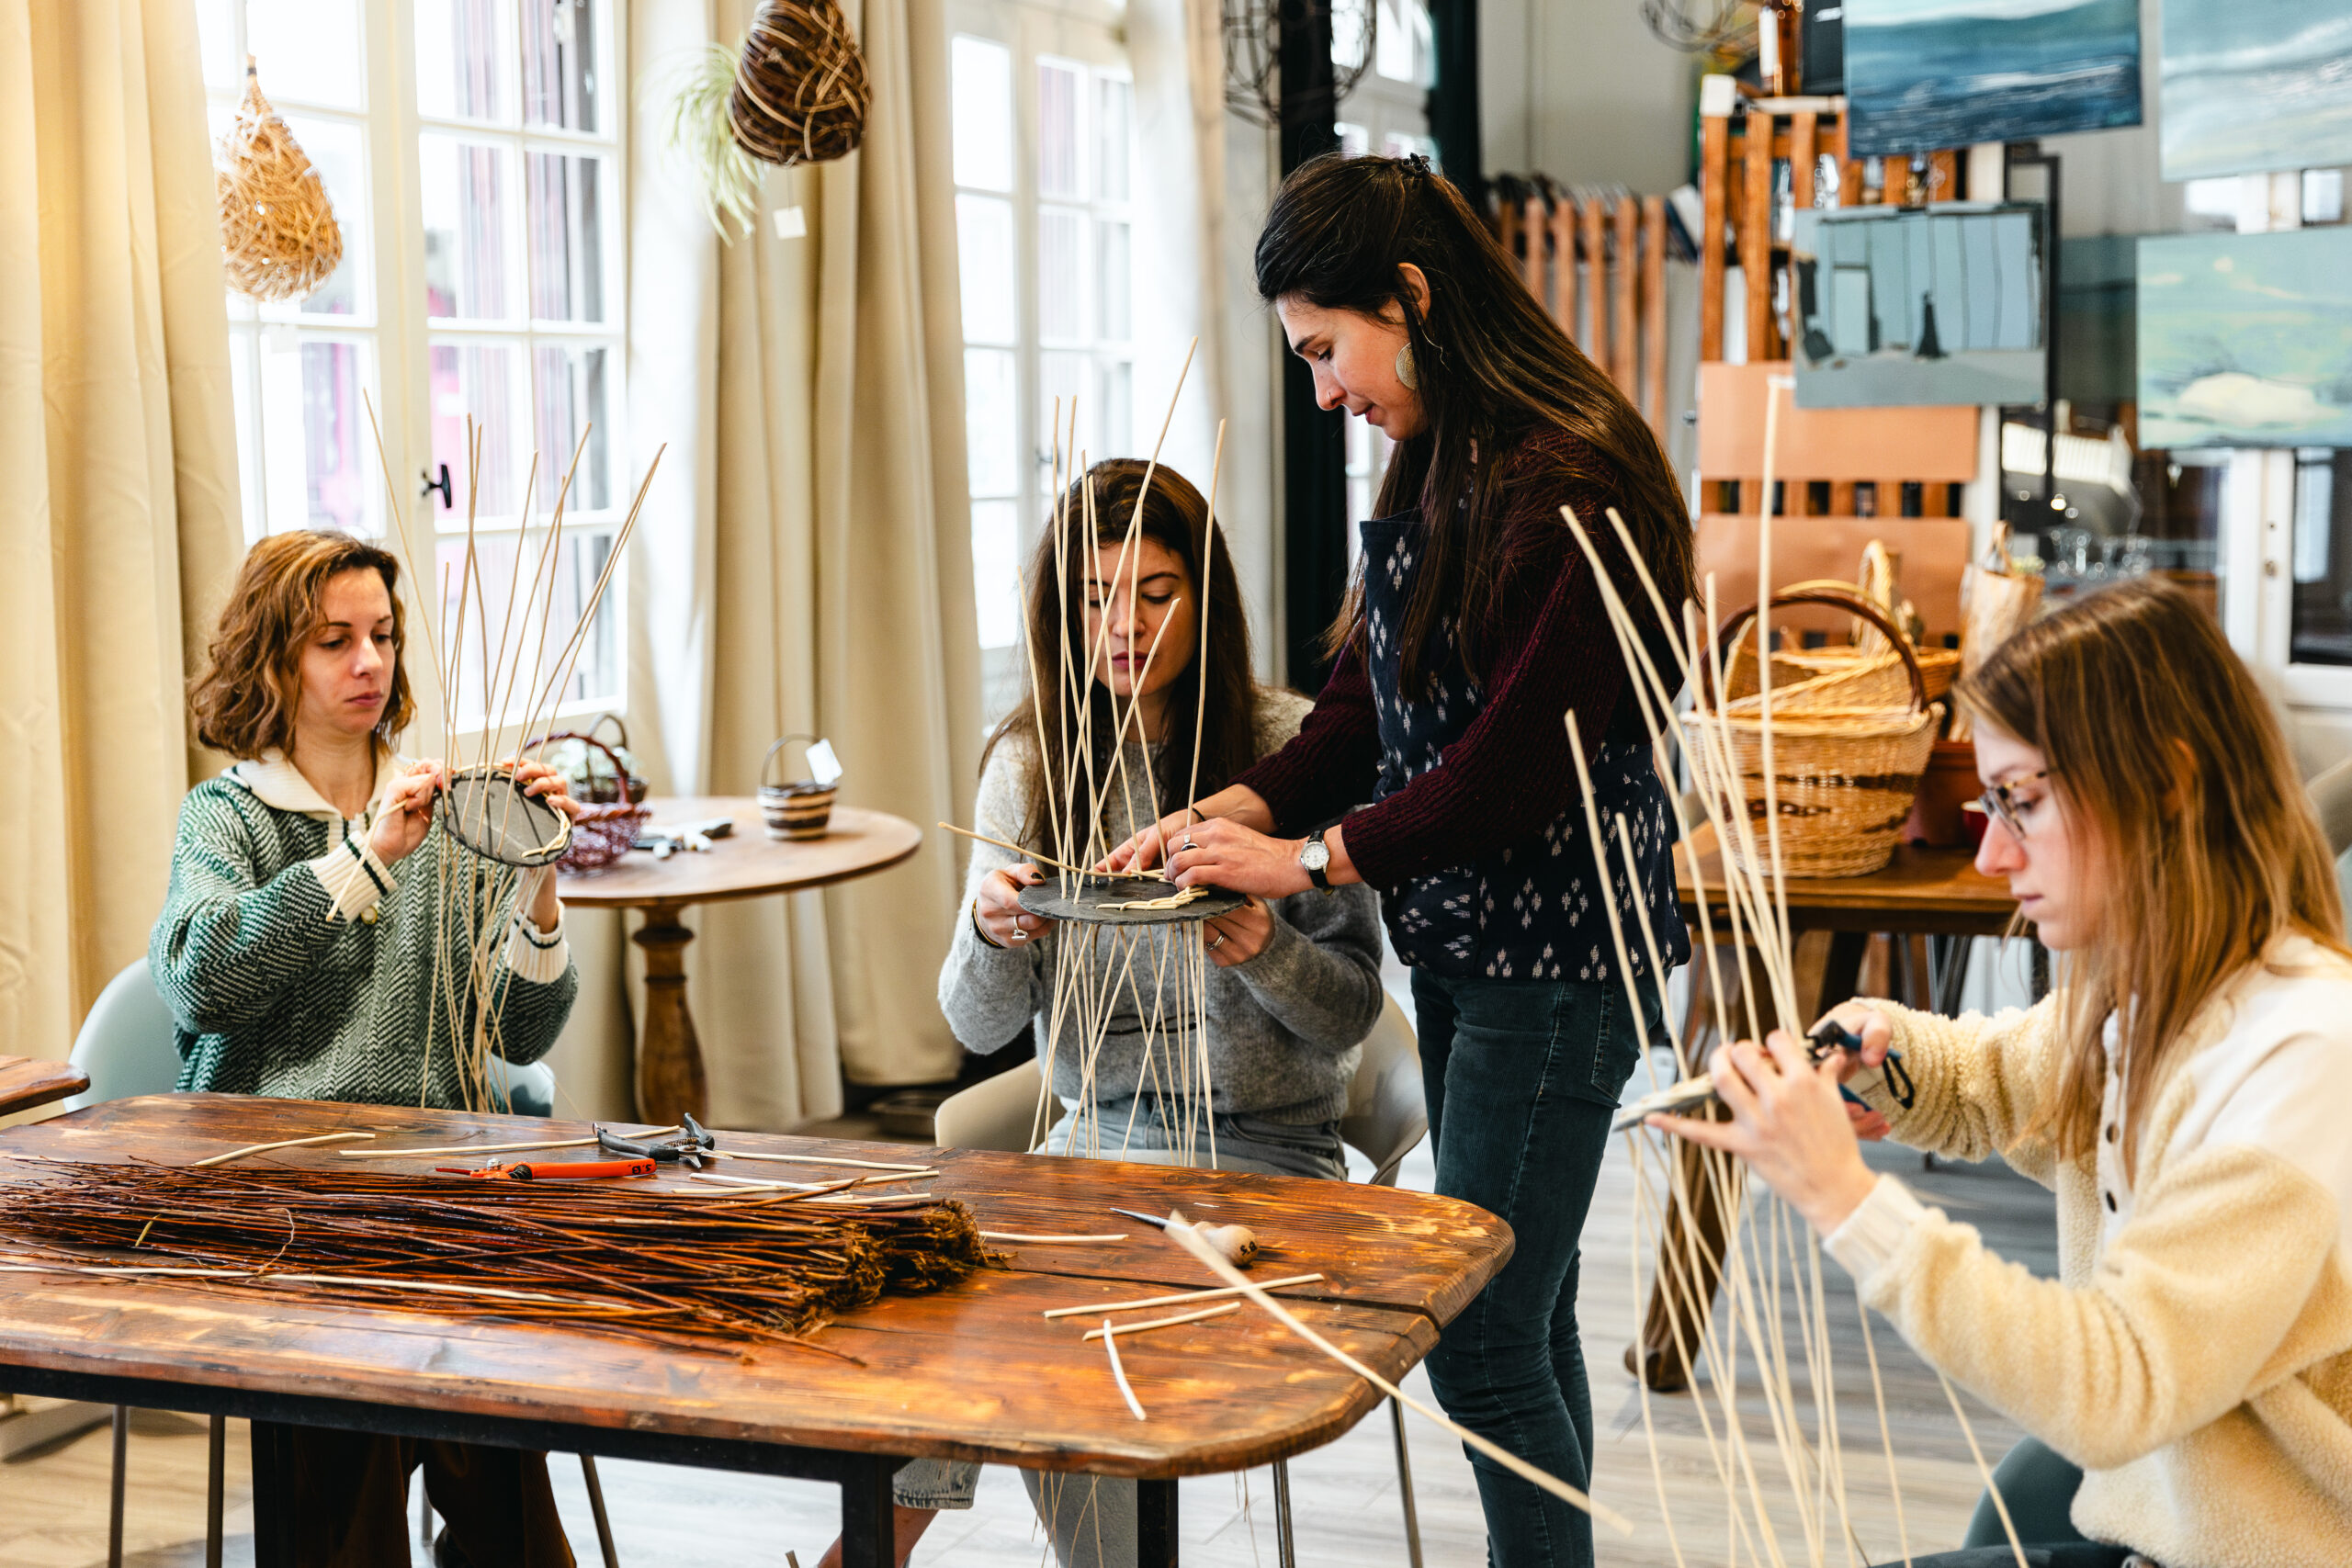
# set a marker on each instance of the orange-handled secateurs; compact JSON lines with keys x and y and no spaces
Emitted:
{"x":542,"y":1170}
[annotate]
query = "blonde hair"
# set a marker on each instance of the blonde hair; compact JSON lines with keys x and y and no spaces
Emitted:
{"x":245,"y":699}
{"x":2177,"y":783}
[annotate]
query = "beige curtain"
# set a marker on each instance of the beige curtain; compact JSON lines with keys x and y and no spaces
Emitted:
{"x":119,"y":518}
{"x":805,"y":565}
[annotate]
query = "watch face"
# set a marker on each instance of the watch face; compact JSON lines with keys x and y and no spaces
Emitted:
{"x":1314,"y":854}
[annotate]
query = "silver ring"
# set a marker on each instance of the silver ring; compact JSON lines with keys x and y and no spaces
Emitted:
{"x":1187,"y":844}
{"x":1020,"y":936}
{"x":1218,"y":942}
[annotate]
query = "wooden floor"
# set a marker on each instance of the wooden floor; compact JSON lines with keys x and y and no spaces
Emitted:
{"x":53,"y":1502}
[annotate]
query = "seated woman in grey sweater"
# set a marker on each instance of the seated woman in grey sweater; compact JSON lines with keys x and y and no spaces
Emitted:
{"x":296,"y":950}
{"x":1293,"y":985}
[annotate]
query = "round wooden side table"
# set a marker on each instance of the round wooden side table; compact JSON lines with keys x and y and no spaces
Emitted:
{"x":746,"y":864}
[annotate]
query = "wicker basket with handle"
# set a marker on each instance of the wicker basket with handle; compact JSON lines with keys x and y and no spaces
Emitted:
{"x":1847,"y":762}
{"x":604,"y":831}
{"x":1874,"y":668}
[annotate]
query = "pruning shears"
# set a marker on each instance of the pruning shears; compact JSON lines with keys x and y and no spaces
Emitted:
{"x":1826,"y":1036}
{"x":545,"y":1170}
{"x":686,"y":1148}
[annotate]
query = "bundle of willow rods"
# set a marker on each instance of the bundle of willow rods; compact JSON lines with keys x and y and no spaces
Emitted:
{"x":618,"y":1257}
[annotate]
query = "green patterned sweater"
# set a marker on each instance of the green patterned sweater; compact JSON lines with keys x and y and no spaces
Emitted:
{"x":297,"y":963}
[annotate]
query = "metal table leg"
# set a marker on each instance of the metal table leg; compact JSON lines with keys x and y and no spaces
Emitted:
{"x":1155,"y":1524}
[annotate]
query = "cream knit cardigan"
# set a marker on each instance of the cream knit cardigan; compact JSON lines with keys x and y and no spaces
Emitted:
{"x":2195,"y":1355}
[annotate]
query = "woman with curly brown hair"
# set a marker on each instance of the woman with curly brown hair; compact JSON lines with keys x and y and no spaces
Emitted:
{"x":297,"y":950}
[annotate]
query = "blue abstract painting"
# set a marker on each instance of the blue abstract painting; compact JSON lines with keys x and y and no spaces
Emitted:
{"x":1927,"y":75}
{"x":2245,"y":340}
{"x":2251,"y":85}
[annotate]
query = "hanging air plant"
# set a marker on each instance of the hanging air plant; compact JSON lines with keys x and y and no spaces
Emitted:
{"x":725,"y":175}
{"x":278,"y":236}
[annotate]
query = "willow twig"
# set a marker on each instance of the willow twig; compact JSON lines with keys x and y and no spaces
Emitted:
{"x":281,"y":1144}
{"x":1163,"y":1321}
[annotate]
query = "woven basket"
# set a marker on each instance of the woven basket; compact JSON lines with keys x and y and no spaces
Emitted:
{"x":800,"y":90}
{"x":278,"y":236}
{"x":1874,"y":676}
{"x":602,"y":833}
{"x":1845,"y":773}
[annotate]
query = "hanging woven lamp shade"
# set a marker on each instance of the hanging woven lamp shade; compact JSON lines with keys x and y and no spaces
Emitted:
{"x":278,"y":236}
{"x":800,"y":90}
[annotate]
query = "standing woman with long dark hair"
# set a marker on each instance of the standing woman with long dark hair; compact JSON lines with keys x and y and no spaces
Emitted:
{"x":1436,"y":765}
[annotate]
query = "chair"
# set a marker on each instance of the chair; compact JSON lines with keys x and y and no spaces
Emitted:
{"x":128,"y":1046}
{"x":1385,"y":1119}
{"x":2331,"y":795}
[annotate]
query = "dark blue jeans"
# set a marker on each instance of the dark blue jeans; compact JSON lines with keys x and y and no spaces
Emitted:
{"x":1521,"y":1076}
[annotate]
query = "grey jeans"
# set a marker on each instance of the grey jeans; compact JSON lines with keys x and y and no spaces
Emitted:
{"x":1091,"y":1518}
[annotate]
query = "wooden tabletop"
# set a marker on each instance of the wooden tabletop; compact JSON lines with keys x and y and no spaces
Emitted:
{"x":747,"y":864}
{"x":26,"y":1082}
{"x":1920,"y":890}
{"x":970,"y":1372}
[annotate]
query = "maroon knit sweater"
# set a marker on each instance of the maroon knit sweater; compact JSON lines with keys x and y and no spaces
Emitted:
{"x":1547,"y":648}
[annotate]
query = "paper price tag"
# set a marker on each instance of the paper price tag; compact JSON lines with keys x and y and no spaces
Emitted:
{"x":791,"y":222}
{"x":823,"y":766}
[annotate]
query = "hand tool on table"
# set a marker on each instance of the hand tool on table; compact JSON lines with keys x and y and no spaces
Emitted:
{"x":696,"y":836}
{"x":554,"y":1170}
{"x":686,"y":1148}
{"x":1827,"y":1035}
{"x":1236,"y":1243}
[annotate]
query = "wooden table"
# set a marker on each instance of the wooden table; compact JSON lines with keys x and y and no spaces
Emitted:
{"x":1936,"y":894}
{"x":746,"y":864}
{"x":26,"y":1082}
{"x":969,"y":1372}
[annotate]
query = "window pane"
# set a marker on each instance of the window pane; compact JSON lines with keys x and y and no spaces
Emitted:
{"x":1117,"y":403}
{"x":484,"y":380}
{"x":338,"y":150}
{"x":314,"y":436}
{"x":465,"y":262}
{"x":243,"y":349}
{"x":1057,"y":174}
{"x":216,"y":41}
{"x":565,"y":229}
{"x":981,"y":76}
{"x":1114,"y":277}
{"x":1067,"y":376}
{"x":1061,"y":274}
{"x":306,"y":50}
{"x":991,"y":436}
{"x":528,"y":673}
{"x":570,"y":398}
{"x":1110,"y":155}
{"x":984,"y":264}
{"x":559,"y":75}
{"x":461,"y":59}
{"x":995,"y":571}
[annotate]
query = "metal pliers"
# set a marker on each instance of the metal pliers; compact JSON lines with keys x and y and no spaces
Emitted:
{"x":686,"y":1148}
{"x":1827,"y":1036}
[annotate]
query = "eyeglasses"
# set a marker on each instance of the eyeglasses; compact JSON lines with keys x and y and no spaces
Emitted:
{"x":2001,"y":803}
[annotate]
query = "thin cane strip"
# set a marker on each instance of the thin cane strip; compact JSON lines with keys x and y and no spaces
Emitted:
{"x":1107,"y":1329}
{"x":1886,"y":1432}
{"x":1829,"y":1374}
{"x":1119,"y":1373}
{"x":1180,"y":1230}
{"x":1208,"y":560}
{"x":1642,"y":1383}
{"x":2000,"y":1503}
{"x":281,"y":1144}
{"x":1773,"y":385}
{"x":812,"y":1159}
{"x":1094,"y":1309}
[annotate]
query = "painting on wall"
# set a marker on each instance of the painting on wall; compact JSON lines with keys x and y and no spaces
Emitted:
{"x":1922,"y":75}
{"x":2252,"y":85}
{"x":1903,"y":307}
{"x":2245,"y":340}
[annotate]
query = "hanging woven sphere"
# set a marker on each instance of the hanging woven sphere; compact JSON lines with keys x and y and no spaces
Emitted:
{"x":278,"y":236}
{"x":800,"y":91}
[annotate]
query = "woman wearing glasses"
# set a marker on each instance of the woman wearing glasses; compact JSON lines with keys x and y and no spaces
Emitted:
{"x":2188,"y":1377}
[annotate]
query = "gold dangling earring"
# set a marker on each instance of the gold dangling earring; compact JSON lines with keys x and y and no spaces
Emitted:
{"x":1404,"y":369}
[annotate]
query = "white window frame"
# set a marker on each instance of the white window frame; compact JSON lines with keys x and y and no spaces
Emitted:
{"x":399,"y":336}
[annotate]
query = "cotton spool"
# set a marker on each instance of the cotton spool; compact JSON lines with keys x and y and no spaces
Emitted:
{"x":278,"y":236}
{"x":800,"y":93}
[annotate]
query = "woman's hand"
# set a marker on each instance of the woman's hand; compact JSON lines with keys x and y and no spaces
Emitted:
{"x":1878,"y":1035}
{"x":1240,"y":936}
{"x":545,"y":911}
{"x":1235,"y":802}
{"x":1223,"y":854}
{"x":407,"y":812}
{"x":1789,"y":1125}
{"x":1000,"y":914}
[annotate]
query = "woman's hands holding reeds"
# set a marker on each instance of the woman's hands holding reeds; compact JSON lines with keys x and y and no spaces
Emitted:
{"x":1240,"y":936}
{"x":1789,"y":1124}
{"x":406,"y":814}
{"x":1235,"y":804}
{"x":538,"y":779}
{"x":998,"y":909}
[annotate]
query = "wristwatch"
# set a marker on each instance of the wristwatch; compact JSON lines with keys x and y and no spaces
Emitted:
{"x":1314,"y":856}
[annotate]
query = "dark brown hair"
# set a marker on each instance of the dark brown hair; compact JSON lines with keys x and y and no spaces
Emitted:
{"x":245,"y":700}
{"x":2172,"y":771}
{"x":1175,"y":518}
{"x":1491,"y":368}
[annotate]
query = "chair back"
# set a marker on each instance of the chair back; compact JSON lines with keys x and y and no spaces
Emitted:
{"x":128,"y":1044}
{"x":996,"y":1113}
{"x":1387,"y":1114}
{"x":2332,"y":798}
